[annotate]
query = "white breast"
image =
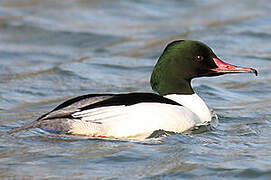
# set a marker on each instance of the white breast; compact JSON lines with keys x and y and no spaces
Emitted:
{"x":194,"y":103}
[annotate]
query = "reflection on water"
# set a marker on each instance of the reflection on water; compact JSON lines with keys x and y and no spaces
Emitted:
{"x":51,"y":51}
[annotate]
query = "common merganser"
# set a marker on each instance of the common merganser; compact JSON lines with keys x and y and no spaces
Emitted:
{"x":175,"y":108}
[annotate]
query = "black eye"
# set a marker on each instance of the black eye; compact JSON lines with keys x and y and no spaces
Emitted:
{"x":199,"y":58}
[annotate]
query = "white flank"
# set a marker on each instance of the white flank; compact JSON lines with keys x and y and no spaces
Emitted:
{"x":141,"y":119}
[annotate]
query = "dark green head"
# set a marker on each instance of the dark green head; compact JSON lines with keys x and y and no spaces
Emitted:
{"x":184,"y":60}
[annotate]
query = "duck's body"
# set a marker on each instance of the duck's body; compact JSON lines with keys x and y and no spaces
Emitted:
{"x":133,"y":115}
{"x":136,"y":115}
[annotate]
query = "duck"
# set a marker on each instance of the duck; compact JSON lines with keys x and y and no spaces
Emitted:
{"x":173,"y":106}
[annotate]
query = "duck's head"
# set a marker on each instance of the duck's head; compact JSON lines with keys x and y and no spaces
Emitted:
{"x":184,"y":60}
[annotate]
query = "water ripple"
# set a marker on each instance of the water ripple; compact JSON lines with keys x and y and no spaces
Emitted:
{"x":52,"y":51}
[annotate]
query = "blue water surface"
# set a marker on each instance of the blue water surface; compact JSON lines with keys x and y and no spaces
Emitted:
{"x":53,"y":50}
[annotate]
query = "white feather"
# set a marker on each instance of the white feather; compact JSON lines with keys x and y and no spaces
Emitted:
{"x":141,"y":119}
{"x":99,"y":114}
{"x":195,"y":104}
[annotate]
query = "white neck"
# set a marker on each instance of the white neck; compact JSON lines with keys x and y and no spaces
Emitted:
{"x":194,"y":103}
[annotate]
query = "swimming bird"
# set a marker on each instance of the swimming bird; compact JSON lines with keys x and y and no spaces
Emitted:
{"x":175,"y":107}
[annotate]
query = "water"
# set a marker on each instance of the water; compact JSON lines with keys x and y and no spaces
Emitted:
{"x":51,"y":51}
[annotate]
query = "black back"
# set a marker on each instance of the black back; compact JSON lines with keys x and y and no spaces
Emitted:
{"x":91,"y":101}
{"x":130,"y":99}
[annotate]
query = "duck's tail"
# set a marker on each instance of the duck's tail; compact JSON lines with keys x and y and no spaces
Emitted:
{"x":24,"y":127}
